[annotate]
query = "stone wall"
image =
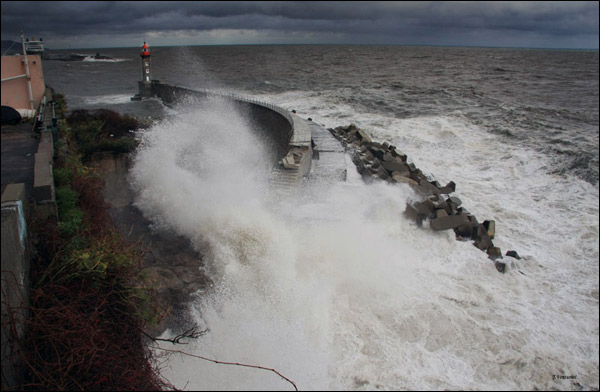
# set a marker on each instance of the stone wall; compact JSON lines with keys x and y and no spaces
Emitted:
{"x":15,"y":280}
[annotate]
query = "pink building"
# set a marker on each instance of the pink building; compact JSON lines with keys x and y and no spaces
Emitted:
{"x":16,"y":91}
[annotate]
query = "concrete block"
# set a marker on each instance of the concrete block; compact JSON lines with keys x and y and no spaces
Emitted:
{"x":464,"y":231}
{"x":473,"y":220}
{"x":490,"y":226}
{"x":494,"y":252}
{"x":377,"y":151}
{"x":363,"y":136}
{"x":440,"y":203}
{"x":481,"y":237}
{"x":455,"y":200}
{"x":412,"y":213}
{"x":440,"y":214}
{"x":448,"y":188}
{"x":514,"y":254}
{"x":395,"y":165}
{"x":500,"y":266}
{"x":400,"y":179}
{"x":430,"y":205}
{"x":448,"y":222}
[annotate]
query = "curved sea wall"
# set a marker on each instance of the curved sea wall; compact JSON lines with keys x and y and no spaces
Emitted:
{"x":275,"y":124}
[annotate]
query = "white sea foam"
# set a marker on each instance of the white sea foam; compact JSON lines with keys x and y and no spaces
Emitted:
{"x":336,"y":290}
{"x":110,"y":99}
{"x":93,"y":59}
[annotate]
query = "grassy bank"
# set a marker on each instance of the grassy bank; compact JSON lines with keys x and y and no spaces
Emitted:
{"x":89,"y":306}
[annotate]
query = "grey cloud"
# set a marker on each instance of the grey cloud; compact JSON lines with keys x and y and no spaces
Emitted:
{"x":357,"y":20}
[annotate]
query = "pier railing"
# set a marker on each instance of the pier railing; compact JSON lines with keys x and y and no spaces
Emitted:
{"x":228,"y":94}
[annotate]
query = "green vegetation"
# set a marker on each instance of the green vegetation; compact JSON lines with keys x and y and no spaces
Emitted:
{"x":102,"y":130}
{"x":89,"y":305}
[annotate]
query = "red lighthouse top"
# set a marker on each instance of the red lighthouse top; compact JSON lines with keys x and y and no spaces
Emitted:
{"x":145,"y":51}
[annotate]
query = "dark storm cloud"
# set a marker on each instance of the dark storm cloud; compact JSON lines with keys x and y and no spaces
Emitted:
{"x":546,"y":24}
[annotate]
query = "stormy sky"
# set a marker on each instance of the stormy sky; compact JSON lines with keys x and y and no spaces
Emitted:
{"x":83,"y":24}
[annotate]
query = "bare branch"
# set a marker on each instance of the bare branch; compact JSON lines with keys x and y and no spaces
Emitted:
{"x":232,"y":363}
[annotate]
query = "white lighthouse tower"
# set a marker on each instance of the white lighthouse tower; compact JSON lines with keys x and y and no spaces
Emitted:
{"x":145,"y":85}
{"x":145,"y":55}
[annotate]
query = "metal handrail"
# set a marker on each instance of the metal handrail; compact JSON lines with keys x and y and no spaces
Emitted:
{"x":228,"y":94}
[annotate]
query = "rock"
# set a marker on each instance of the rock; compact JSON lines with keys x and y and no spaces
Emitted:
{"x":360,"y":166}
{"x":395,"y":166}
{"x":494,"y":252}
{"x":382,"y":175}
{"x":400,"y":179}
{"x":439,"y":202}
{"x":455,"y":200}
{"x":490,"y":226}
{"x":377,"y":151}
{"x":415,"y":211}
{"x":449,"y":188}
{"x":426,"y":185}
{"x":448,"y":221}
{"x":513,"y":253}
{"x":430,"y":205}
{"x":453,"y":203}
{"x":363,"y":136}
{"x":500,"y":266}
{"x":435,"y":184}
{"x":481,"y":237}
{"x":440,"y":214}
{"x":464,"y":231}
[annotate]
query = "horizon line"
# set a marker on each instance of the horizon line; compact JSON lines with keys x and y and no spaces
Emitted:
{"x":338,"y":44}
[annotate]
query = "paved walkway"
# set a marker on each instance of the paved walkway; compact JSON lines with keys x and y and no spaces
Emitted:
{"x":19,"y":145}
{"x":327,"y":164}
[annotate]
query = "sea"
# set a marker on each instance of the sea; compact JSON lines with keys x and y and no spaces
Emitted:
{"x":334,"y":288}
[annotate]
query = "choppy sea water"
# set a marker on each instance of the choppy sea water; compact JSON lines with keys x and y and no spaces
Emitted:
{"x":335,"y":288}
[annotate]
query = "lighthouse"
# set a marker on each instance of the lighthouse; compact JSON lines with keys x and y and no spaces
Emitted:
{"x":145,"y":85}
{"x":145,"y":55}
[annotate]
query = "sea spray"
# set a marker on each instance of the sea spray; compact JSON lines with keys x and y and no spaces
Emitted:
{"x":533,"y":327}
{"x":335,"y":289}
